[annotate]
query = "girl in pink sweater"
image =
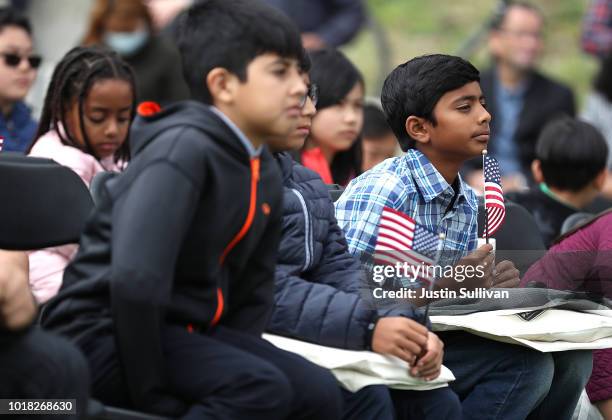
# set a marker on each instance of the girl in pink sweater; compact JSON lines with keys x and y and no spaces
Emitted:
{"x":84,"y":125}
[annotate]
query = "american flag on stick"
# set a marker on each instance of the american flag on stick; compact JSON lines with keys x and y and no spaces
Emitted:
{"x":400,"y":240}
{"x":493,"y":196}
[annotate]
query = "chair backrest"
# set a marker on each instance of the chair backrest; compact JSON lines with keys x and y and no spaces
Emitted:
{"x":335,"y":191}
{"x":519,"y":230}
{"x":43,"y":203}
{"x":96,"y":188}
{"x":518,"y":239}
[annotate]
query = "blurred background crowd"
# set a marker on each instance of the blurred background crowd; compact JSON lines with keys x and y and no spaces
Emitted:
{"x":566,"y":41}
{"x":538,"y":61}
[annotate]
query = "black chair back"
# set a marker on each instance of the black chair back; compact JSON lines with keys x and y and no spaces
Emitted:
{"x":335,"y":191}
{"x":518,"y":239}
{"x":43,"y":203}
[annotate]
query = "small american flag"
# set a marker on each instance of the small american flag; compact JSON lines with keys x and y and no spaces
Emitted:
{"x":401,"y":240}
{"x":493,"y":196}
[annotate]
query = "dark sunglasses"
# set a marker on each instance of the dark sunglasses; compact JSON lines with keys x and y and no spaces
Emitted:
{"x":313,"y":94}
{"x":14,"y":60}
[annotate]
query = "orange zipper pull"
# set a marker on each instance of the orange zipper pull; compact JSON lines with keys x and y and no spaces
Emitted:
{"x":255,"y":168}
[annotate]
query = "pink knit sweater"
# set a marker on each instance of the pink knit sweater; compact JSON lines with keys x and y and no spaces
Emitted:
{"x":47,"y":265}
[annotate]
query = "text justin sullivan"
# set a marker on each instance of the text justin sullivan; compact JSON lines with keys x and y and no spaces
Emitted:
{"x":406,"y":293}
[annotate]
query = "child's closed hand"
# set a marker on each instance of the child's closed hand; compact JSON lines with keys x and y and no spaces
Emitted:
{"x":429,"y":365}
{"x":401,"y":337}
{"x":17,"y":305}
{"x":507,"y":275}
{"x":482,"y":262}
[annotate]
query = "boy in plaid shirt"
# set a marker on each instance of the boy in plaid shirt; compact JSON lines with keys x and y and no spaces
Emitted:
{"x":437,"y":111}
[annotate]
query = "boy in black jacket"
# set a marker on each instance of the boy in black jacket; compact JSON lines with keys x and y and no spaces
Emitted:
{"x":570,"y":170}
{"x":173,"y":282}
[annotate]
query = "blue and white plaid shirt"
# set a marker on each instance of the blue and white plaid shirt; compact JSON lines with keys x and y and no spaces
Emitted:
{"x":412,"y":185}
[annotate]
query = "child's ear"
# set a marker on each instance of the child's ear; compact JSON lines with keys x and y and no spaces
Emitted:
{"x":221,"y":85}
{"x":536,"y":171}
{"x":417,"y":128}
{"x":600,"y":179}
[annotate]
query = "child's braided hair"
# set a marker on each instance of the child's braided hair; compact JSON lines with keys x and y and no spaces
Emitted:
{"x":72,"y":79}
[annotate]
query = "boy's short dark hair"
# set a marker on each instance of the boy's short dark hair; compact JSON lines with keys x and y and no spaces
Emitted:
{"x":572,"y":153}
{"x":11,"y":17}
{"x":375,"y":124}
{"x":230,"y":34}
{"x":415,"y":87}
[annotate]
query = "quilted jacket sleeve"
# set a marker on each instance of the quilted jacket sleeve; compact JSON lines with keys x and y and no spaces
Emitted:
{"x":322,"y":303}
{"x":318,"y":312}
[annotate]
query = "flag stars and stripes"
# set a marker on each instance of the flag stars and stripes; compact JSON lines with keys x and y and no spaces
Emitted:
{"x":493,"y":196}
{"x":400,"y":240}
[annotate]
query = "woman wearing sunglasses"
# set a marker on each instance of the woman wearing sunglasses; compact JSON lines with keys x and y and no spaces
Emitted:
{"x":17,"y":73}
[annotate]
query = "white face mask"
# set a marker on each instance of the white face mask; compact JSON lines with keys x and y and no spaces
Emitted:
{"x":126,"y":43}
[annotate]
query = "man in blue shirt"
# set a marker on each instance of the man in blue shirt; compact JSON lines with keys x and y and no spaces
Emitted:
{"x":521,"y":99}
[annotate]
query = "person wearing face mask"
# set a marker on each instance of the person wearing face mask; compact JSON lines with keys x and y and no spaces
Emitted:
{"x":126,"y":26}
{"x":18,"y":67}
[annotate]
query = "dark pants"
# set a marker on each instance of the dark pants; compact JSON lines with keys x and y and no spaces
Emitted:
{"x":229,"y":375}
{"x":496,"y":380}
{"x":436,"y":404}
{"x":572,"y":370}
{"x":38,"y":364}
{"x":370,"y":403}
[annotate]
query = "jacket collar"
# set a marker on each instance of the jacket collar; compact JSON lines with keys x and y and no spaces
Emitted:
{"x":285,"y":162}
{"x":252,"y":151}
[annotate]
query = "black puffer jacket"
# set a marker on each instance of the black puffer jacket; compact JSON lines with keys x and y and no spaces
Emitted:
{"x":188,"y":234}
{"x":318,"y":282}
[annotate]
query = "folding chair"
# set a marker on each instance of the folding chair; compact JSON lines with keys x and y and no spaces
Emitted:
{"x":518,"y":239}
{"x":335,"y":191}
{"x":43,"y":203}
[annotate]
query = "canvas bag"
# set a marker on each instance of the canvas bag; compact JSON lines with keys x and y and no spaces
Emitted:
{"x":546,"y":328}
{"x":358,"y":369}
